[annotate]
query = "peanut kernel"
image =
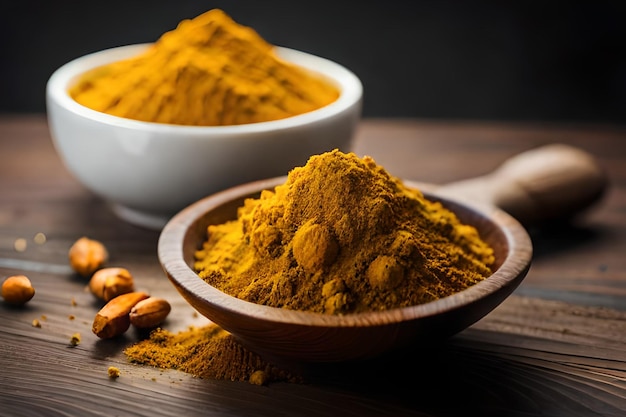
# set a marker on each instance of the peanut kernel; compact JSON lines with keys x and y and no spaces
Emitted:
{"x":87,"y":256}
{"x":17,"y":290}
{"x":149,"y":313}
{"x":108,"y":283}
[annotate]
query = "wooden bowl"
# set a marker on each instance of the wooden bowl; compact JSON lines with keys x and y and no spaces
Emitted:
{"x":313,"y":337}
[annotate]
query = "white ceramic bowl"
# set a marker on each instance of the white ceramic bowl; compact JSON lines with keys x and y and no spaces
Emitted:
{"x":150,"y":171}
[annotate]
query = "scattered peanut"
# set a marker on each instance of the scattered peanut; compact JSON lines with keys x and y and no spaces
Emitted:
{"x":149,"y":313}
{"x":87,"y":256}
{"x":17,"y":290}
{"x":114,"y":318}
{"x":108,"y":283}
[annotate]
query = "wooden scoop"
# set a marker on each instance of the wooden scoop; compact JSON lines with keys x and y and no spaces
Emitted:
{"x":540,"y":184}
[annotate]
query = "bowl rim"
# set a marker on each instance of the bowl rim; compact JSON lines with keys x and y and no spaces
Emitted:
{"x":350,"y":86}
{"x":506,"y":277}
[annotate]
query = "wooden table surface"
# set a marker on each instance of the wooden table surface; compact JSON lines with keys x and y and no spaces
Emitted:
{"x":556,"y":347}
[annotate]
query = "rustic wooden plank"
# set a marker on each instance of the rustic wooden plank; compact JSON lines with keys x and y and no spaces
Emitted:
{"x":555,"y":348}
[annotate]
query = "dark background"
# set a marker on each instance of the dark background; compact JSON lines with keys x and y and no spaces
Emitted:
{"x":513,"y":61}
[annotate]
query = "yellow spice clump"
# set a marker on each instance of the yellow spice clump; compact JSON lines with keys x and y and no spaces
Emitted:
{"x":113,"y":372}
{"x":340,"y":236}
{"x":209,"y":71}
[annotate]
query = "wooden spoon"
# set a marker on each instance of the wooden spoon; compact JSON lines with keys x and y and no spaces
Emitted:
{"x":523,"y":185}
{"x":552,"y":182}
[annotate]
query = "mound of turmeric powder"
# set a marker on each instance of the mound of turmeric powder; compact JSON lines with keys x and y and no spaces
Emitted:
{"x":341,"y":236}
{"x":208,"y":71}
{"x":208,"y":352}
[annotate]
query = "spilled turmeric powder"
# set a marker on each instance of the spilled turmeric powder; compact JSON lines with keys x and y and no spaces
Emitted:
{"x":208,"y":71}
{"x":342,"y":236}
{"x":207,"y":352}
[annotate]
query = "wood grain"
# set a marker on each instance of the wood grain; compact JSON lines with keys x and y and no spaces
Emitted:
{"x":555,"y":348}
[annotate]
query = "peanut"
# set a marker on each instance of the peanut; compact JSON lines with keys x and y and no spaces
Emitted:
{"x":149,"y":313}
{"x":87,"y":256}
{"x":17,"y":290}
{"x":108,"y":283}
{"x":114,"y":318}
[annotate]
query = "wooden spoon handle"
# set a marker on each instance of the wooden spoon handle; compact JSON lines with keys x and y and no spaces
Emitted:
{"x":547,"y":183}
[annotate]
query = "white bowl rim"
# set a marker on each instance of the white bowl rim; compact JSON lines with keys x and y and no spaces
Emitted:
{"x":351,"y":92}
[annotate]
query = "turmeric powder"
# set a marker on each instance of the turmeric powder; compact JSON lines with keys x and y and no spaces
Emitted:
{"x":342,"y":236}
{"x":208,"y":71}
{"x":208,"y":352}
